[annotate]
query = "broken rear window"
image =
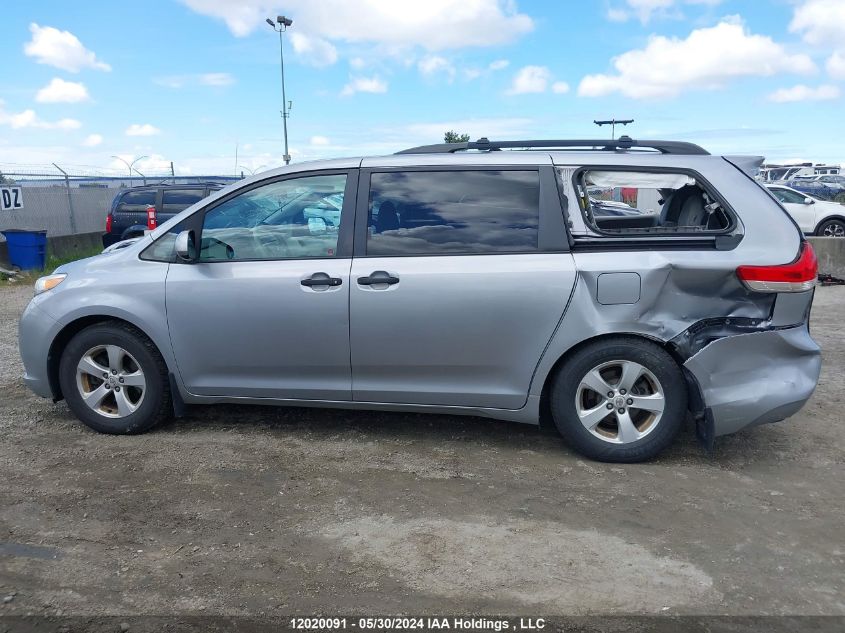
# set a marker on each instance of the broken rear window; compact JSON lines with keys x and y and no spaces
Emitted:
{"x":616,"y":202}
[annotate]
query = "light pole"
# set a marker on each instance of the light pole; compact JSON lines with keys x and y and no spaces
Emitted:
{"x":253,"y":170}
{"x":280,"y":26}
{"x":612,"y":123}
{"x":130,"y":166}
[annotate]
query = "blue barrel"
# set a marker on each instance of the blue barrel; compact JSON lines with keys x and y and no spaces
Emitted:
{"x":27,"y":249}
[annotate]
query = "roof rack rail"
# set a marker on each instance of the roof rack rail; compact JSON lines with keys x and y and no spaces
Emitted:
{"x":622,"y":143}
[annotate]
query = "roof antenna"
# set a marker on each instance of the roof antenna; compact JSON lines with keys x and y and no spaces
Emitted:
{"x":612,"y":123}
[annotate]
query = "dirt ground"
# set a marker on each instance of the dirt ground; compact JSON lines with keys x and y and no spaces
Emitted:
{"x":269,"y":511}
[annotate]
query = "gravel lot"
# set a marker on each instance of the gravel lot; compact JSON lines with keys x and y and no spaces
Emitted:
{"x":253,"y":510}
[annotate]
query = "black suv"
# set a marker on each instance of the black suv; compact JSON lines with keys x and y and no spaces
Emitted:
{"x":127,"y":217}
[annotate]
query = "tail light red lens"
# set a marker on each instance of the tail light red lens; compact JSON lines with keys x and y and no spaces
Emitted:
{"x":109,"y":220}
{"x":797,"y":276}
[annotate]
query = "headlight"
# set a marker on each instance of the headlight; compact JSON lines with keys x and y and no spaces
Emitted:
{"x":48,"y":283}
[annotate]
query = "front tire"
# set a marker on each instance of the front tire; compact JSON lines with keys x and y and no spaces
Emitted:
{"x":831,"y":228}
{"x":622,"y":399}
{"x":114,"y":379}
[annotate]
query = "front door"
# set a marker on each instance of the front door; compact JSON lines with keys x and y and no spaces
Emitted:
{"x":795,"y":203}
{"x":264,"y":312}
{"x":459,"y":281}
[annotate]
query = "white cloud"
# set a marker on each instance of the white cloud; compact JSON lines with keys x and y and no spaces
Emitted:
{"x":820,"y":22}
{"x":313,"y":50}
{"x":216,"y":79}
{"x":61,"y":91}
{"x":29,"y":119}
{"x":836,"y":65}
{"x":645,"y":10}
{"x":430,"y":24}
{"x":499,"y":64}
{"x":137,"y":129}
{"x":92,"y":140}
{"x":801,"y":92}
{"x":364,"y":84}
{"x":433,"y":64}
{"x":535,"y":79}
{"x":707,"y":59}
{"x":530,"y":79}
{"x":319,"y":140}
{"x":357,"y":63}
{"x":61,"y":49}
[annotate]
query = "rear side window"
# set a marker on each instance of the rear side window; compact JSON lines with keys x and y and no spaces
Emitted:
{"x":616,"y":202}
{"x":176,"y":200}
{"x":135,"y":201}
{"x":449,"y":212}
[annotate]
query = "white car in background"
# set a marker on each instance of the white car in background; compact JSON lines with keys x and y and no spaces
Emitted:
{"x":813,"y":216}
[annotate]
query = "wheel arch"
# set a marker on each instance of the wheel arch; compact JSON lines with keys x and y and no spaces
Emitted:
{"x":71,"y":329}
{"x":548,"y":379}
{"x":828,"y":218}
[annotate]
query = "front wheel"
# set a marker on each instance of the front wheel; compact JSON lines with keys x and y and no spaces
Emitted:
{"x":114,"y":379}
{"x":619,"y":400}
{"x":831,"y":228}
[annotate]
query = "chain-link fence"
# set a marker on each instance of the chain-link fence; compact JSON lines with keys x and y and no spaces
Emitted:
{"x":65,"y":203}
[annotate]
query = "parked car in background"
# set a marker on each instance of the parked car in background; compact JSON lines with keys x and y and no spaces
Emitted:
{"x":456,"y":278}
{"x":813,"y":215}
{"x":825,"y":187}
{"x":127,"y":217}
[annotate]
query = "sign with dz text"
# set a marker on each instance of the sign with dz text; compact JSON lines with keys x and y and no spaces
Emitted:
{"x":11,"y":198}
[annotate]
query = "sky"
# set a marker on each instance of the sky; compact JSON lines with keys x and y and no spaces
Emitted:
{"x":194,"y":81}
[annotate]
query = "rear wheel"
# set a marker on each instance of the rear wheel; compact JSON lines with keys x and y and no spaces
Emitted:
{"x":619,"y":400}
{"x":114,"y":379}
{"x":831,"y":228}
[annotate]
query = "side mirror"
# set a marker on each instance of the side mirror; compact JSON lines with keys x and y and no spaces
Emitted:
{"x":809,"y":201}
{"x":186,"y":246}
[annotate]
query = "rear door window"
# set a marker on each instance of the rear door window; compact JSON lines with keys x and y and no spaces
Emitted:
{"x":176,"y":200}
{"x":136,"y":201}
{"x":453,"y":212}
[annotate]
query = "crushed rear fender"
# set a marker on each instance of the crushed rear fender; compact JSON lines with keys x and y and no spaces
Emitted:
{"x":755,"y":378}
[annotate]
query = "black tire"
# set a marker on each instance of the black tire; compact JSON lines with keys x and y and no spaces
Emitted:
{"x":830,"y":224}
{"x":623,"y":348}
{"x":154,"y":408}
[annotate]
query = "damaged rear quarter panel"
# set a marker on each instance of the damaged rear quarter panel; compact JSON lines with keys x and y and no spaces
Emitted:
{"x":756,"y":378}
{"x":680,"y":288}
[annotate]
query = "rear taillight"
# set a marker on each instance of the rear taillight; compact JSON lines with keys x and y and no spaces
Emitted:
{"x":109,"y":220}
{"x":797,"y":276}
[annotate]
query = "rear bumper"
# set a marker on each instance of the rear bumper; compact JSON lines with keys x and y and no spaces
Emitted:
{"x":756,"y":378}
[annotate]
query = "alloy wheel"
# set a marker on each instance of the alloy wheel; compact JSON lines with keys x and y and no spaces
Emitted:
{"x":834,"y":229}
{"x":110,"y":381}
{"x":620,"y":401}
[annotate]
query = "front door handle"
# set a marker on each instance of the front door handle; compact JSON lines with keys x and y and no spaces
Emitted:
{"x":378,"y":277}
{"x":321,"y":279}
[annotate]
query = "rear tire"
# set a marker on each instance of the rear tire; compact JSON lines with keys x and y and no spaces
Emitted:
{"x":114,"y":379}
{"x":621,"y":399}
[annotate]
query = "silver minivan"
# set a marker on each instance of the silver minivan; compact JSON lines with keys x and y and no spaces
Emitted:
{"x":616,"y":288}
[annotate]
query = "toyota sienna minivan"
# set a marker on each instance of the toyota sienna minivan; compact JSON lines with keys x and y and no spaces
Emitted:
{"x":617,"y":288}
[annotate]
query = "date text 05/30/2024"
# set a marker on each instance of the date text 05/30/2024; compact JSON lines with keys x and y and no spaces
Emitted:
{"x":421,"y":623}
